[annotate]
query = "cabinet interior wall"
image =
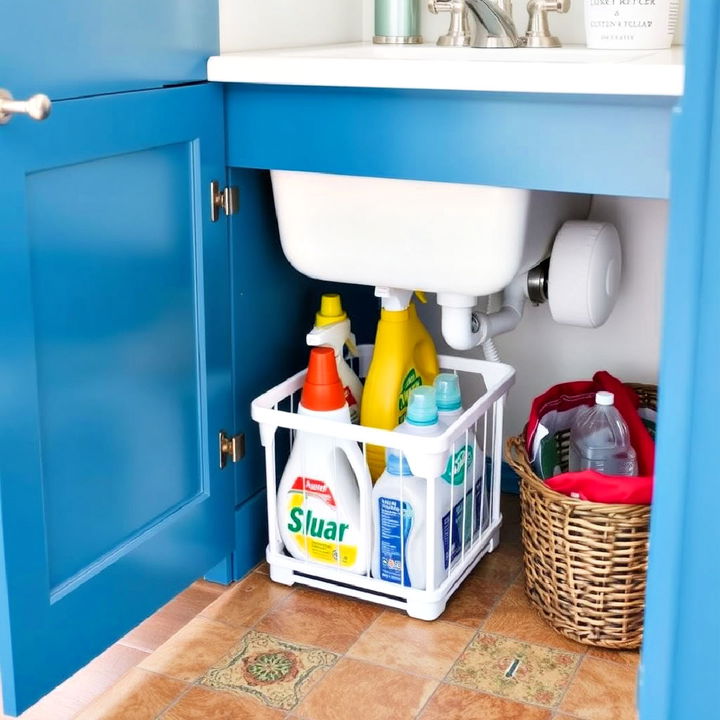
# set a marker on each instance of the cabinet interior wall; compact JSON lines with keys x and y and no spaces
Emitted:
{"x":628,"y":345}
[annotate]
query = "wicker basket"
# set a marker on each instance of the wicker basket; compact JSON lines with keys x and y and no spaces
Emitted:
{"x":585,"y":562}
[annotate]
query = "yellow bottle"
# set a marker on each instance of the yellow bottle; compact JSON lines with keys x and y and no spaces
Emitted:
{"x":404,"y":358}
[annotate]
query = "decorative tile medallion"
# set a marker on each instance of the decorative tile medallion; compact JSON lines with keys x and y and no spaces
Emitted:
{"x":273,"y":671}
{"x":514,"y":669}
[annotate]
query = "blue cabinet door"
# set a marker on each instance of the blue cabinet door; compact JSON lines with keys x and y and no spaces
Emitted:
{"x":72,"y":48}
{"x":681,"y":651}
{"x":115,"y":373}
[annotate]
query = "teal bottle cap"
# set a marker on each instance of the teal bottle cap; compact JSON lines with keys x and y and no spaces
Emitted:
{"x":447,"y":392}
{"x":422,"y":408}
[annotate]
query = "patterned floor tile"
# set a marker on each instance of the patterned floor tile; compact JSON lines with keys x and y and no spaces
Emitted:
{"x":515,"y":670}
{"x":451,"y":702}
{"x":277,"y":673}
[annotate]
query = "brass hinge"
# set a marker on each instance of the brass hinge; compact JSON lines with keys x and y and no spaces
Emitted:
{"x":228,"y":199}
{"x":231,"y":448}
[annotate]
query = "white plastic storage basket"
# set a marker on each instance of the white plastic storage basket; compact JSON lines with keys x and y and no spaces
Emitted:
{"x":275,"y":412}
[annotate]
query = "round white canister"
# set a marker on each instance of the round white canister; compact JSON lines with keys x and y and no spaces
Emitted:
{"x":631,"y":24}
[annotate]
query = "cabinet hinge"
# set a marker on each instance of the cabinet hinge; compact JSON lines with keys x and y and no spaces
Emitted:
{"x":228,"y":199}
{"x":231,"y":448}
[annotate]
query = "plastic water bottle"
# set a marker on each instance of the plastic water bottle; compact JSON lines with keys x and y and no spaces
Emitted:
{"x":600,"y":440}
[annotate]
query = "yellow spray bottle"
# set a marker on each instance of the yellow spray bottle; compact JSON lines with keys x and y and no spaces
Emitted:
{"x":404,"y":358}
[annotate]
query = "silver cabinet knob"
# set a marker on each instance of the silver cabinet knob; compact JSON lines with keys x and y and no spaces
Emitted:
{"x":37,"y":107}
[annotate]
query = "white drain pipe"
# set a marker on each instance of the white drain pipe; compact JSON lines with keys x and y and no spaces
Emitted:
{"x":464,"y":328}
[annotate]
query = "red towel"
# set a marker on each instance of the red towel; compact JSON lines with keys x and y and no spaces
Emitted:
{"x":589,"y":484}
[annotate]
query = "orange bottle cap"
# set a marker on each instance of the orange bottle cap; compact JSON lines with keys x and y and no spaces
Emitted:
{"x":322,"y":389}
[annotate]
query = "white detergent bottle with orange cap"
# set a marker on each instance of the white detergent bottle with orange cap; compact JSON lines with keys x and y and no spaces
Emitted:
{"x":332,"y":328}
{"x":404,"y":358}
{"x":324,"y":493}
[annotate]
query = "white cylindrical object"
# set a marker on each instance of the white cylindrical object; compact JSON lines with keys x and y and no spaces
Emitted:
{"x":585,"y":273}
{"x":630,"y":24}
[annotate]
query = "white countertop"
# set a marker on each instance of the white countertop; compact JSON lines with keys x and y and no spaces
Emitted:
{"x":571,"y":69}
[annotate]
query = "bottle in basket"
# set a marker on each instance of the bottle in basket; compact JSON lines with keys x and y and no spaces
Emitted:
{"x":400,"y":511}
{"x":324,"y":492}
{"x":332,"y":328}
{"x":465,"y":468}
{"x":600,"y":440}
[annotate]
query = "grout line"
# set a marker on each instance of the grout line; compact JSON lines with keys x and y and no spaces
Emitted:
{"x":129,"y":647}
{"x":614,"y":663}
{"x":549,"y":708}
{"x":174,"y":702}
{"x":427,"y":702}
{"x":580,"y":654}
{"x":571,"y":680}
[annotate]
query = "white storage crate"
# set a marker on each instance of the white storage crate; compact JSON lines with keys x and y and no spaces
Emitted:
{"x":427,"y":456}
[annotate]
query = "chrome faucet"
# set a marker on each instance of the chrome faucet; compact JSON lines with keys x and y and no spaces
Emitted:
{"x":477,"y":23}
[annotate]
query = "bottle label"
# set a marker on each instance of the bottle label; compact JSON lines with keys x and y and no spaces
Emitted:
{"x":630,"y":22}
{"x":459,"y":466}
{"x":450,"y":554}
{"x":466,"y":526}
{"x":395,"y":523}
{"x":313,"y":519}
{"x":411,"y":381}
{"x":352,"y":406}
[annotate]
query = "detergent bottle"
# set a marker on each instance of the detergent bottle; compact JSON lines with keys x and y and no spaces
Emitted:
{"x":465,"y":465}
{"x":324,"y":493}
{"x":404,"y":358}
{"x":332,"y":328}
{"x":399,"y":508}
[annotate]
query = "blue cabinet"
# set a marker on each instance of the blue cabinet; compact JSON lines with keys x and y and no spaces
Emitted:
{"x":73,"y":48}
{"x":134,"y":329}
{"x":115,"y":373}
{"x":681,"y":653}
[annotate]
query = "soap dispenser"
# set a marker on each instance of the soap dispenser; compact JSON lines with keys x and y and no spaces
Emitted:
{"x":397,"y":22}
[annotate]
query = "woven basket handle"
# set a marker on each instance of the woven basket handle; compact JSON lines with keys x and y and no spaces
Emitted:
{"x":515,"y":455}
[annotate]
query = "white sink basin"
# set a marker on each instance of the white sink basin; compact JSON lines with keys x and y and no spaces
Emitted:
{"x":413,"y":235}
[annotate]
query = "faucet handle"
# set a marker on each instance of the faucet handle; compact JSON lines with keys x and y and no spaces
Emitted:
{"x":459,"y":33}
{"x":538,"y":34}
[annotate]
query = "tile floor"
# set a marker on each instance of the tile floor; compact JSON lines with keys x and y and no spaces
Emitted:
{"x":262,"y":651}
